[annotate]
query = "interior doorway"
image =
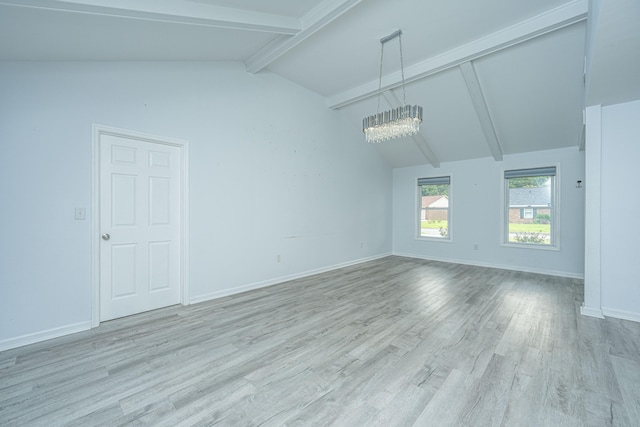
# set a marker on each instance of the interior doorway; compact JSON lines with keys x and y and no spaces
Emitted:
{"x":140,"y":220}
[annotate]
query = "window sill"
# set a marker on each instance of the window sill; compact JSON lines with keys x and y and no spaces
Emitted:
{"x":530,"y":246}
{"x":433,"y":239}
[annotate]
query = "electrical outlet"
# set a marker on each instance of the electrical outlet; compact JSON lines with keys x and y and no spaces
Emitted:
{"x":80,"y":214}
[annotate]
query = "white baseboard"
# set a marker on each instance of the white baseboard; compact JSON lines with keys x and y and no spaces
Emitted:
{"x":491,"y":265}
{"x":621,"y":314}
{"x":20,"y":341}
{"x":23,"y":340}
{"x":282,"y":279}
{"x":591,"y":312}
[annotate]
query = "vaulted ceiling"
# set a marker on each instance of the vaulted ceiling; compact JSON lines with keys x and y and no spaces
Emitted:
{"x":494,"y":77}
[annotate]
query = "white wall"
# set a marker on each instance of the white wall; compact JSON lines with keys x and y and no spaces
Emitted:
{"x":620,"y":211}
{"x":477,"y":209}
{"x":273,"y":171}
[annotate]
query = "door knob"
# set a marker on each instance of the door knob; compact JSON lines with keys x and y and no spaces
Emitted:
{"x":106,"y":236}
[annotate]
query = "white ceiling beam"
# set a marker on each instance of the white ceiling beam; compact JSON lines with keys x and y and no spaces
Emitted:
{"x":551,"y":20}
{"x":419,"y":139}
{"x":193,"y":13}
{"x":480,"y":103}
{"x":321,"y":15}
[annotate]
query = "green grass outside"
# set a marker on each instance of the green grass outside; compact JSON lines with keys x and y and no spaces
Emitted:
{"x":544,"y":229}
{"x":537,"y":230}
{"x":530,"y":228}
{"x":513,"y":228}
{"x":437,"y":224}
{"x":547,"y":241}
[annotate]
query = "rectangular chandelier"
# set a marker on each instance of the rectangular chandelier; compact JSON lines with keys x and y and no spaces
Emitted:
{"x":397,"y":122}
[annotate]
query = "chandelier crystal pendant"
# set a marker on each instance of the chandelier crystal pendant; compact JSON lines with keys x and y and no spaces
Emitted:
{"x":397,"y":122}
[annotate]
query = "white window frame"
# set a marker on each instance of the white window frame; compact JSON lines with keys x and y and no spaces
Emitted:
{"x":555,"y":209}
{"x":434,"y":180}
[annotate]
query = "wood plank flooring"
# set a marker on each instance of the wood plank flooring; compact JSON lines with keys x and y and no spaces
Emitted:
{"x":392,"y":342}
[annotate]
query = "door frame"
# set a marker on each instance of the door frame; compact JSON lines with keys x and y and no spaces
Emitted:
{"x":97,"y":131}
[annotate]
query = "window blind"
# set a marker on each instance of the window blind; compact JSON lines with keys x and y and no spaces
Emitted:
{"x":438,"y":180}
{"x":522,"y":173}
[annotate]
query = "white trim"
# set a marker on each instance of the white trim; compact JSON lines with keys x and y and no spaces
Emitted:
{"x":592,"y":209}
{"x":23,"y":340}
{"x":417,"y":221}
{"x":97,"y":130}
{"x":591,"y":312}
{"x":556,"y":211}
{"x":556,"y":224}
{"x":491,"y":265}
{"x":185,"y":13}
{"x":186,"y":231}
{"x":95,"y":226}
{"x":281,"y":279}
{"x":433,"y":239}
{"x":535,"y":246}
{"x":621,"y":314}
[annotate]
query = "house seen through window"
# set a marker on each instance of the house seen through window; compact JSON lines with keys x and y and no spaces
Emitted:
{"x":530,"y":196}
{"x":434,"y":216}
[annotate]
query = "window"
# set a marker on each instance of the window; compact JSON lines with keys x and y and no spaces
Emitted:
{"x":530,"y":196}
{"x":434,"y":216}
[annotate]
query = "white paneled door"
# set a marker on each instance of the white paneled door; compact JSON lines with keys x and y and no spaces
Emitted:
{"x":140,"y":207}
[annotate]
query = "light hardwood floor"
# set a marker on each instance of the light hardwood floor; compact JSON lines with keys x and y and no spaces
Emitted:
{"x":392,"y":342}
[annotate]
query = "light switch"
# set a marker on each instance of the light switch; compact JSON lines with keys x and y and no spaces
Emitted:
{"x":80,"y":213}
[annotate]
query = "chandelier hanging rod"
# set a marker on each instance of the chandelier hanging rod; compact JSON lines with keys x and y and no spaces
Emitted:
{"x":397,"y":122}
